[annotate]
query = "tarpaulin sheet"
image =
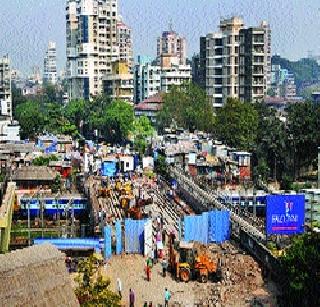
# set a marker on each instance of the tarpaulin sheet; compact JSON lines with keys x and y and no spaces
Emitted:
{"x":107,"y":242}
{"x":210,"y":227}
{"x":134,"y":236}
{"x":196,"y":228}
{"x":219,"y":226}
{"x":118,"y":238}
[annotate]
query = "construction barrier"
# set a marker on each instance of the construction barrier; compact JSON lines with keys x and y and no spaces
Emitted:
{"x":209,"y":227}
{"x":107,"y":242}
{"x":72,"y":244}
{"x":219,"y":226}
{"x":118,"y":238}
{"x":196,"y":229}
{"x":134,"y":236}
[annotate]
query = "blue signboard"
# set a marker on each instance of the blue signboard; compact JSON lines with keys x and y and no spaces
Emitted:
{"x":285,"y":214}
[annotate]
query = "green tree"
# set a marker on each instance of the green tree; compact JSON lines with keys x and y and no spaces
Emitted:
{"x":44,"y":160}
{"x":31,"y":118}
{"x":271,"y":143}
{"x":237,"y":124}
{"x":189,"y":107}
{"x":49,"y":93}
{"x":93,"y":288}
{"x":141,"y":131}
{"x":301,"y":265}
{"x":117,"y":121}
{"x":303,"y":134}
{"x":76,"y":111}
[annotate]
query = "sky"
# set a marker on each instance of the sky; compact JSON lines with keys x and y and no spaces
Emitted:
{"x":26,"y":26}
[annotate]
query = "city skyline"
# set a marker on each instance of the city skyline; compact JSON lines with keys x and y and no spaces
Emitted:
{"x":45,"y":20}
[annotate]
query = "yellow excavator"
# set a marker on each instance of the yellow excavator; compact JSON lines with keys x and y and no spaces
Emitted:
{"x":189,"y":261}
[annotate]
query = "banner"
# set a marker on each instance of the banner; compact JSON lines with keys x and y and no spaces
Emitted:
{"x":285,"y":214}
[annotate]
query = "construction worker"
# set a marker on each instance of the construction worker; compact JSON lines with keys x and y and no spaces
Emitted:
{"x":119,"y":287}
{"x":148,"y":271}
{"x":131,"y":298}
{"x":164,"y":267}
{"x":167,"y":297}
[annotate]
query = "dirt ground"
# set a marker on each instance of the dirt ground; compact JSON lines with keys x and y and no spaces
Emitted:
{"x":241,"y":286}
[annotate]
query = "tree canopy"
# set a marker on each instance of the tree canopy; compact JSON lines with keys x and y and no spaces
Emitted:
{"x":301,"y":265}
{"x":237,"y":124}
{"x":141,"y":131}
{"x":189,"y":107}
{"x":93,"y":287}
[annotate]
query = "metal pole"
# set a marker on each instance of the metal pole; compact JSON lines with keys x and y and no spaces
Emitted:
{"x":29,"y":234}
{"x":72,"y":219}
{"x":254,"y":203}
{"x":42,"y":222}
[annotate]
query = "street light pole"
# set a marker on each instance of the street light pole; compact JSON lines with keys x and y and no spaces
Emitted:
{"x":29,"y":234}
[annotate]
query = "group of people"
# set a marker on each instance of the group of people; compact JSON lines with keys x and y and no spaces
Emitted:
{"x":132,"y":297}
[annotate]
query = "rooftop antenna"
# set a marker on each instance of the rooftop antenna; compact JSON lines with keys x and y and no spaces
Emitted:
{"x":170,"y":25}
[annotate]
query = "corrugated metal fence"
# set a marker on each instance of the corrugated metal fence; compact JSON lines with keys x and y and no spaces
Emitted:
{"x":134,"y":236}
{"x":210,"y":227}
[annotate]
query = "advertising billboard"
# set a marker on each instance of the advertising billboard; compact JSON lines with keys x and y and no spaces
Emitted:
{"x":285,"y":214}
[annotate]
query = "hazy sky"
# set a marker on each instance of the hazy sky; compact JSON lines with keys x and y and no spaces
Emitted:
{"x":26,"y":26}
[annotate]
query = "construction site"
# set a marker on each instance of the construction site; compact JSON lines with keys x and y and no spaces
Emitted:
{"x":155,"y":230}
{"x":200,"y":272}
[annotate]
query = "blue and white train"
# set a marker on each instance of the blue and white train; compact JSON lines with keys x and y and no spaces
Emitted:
{"x":246,"y":201}
{"x":52,"y":206}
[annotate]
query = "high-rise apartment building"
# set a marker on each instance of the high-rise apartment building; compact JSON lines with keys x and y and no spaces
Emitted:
{"x":119,"y":84}
{"x":171,"y":49}
{"x":124,"y":38}
{"x":174,"y":75}
{"x":50,"y":65}
{"x":252,"y":72}
{"x":5,"y":88}
{"x":220,"y":56}
{"x":92,"y":45}
{"x":147,"y":79}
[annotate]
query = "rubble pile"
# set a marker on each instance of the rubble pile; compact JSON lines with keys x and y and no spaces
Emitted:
{"x":241,"y":281}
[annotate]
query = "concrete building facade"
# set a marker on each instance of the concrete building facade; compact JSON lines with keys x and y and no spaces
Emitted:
{"x":92,"y":45}
{"x":124,"y":38}
{"x":252,"y":75}
{"x":119,"y":84}
{"x":50,"y":65}
{"x":5,"y":87}
{"x":150,"y":79}
{"x":220,"y":56}
{"x":147,"y":79}
{"x":171,"y":48}
{"x":174,"y":75}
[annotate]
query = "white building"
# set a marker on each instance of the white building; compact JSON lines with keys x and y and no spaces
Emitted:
{"x":124,"y":39}
{"x":174,"y":75}
{"x":9,"y":130}
{"x":147,"y":79}
{"x":5,"y":87}
{"x":150,"y":79}
{"x":92,"y":45}
{"x":50,"y":65}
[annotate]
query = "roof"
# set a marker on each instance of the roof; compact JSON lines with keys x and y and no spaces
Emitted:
{"x":35,"y":276}
{"x":153,"y":103}
{"x":34,"y":173}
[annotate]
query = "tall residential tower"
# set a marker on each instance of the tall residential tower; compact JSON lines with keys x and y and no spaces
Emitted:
{"x":50,"y":65}
{"x":5,"y":88}
{"x":171,"y":49}
{"x":92,"y":45}
{"x":235,"y":62}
